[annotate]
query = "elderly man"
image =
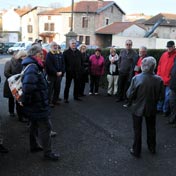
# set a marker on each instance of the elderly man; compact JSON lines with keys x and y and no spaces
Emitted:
{"x":73,"y":66}
{"x":144,"y":92}
{"x":127,"y":61}
{"x":142,"y":55}
{"x":55,"y":69}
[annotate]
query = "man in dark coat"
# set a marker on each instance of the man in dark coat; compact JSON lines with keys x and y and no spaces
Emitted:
{"x":73,"y":66}
{"x":144,"y":92}
{"x":127,"y":61}
{"x":55,"y":69}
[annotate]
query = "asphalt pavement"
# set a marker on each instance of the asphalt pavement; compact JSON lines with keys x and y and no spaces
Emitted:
{"x":94,"y":138}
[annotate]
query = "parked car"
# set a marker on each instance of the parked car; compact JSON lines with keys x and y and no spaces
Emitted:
{"x":19,"y":46}
{"x":2,"y":48}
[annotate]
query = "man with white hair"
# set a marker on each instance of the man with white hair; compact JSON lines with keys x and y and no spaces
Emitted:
{"x":144,"y":92}
{"x":73,"y":67}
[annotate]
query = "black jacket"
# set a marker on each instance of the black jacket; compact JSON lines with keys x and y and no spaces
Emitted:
{"x":35,"y":91}
{"x":144,"y":92}
{"x":173,"y":78}
{"x":73,"y":61}
{"x":54,"y":63}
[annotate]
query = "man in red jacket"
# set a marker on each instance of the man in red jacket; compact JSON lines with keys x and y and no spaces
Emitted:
{"x":165,"y":65}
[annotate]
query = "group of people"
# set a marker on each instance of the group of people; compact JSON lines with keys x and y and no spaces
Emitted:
{"x":132,"y":77}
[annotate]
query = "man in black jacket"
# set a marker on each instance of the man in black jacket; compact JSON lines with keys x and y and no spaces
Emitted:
{"x":73,"y":67}
{"x":144,"y":92}
{"x":55,"y":69}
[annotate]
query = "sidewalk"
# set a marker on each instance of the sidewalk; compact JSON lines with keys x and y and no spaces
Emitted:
{"x":94,"y":137}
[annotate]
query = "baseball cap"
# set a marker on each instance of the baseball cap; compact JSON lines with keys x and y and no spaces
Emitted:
{"x":170,"y":44}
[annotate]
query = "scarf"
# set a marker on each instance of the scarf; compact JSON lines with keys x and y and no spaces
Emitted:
{"x":112,"y":67}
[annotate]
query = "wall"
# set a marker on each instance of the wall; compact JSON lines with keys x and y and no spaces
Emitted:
{"x":150,"y":43}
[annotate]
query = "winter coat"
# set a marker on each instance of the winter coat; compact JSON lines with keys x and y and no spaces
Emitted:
{"x":172,"y":84}
{"x":12,"y":67}
{"x":54,"y":63}
{"x":108,"y":63}
{"x":35,"y":91}
{"x":165,"y":65}
{"x":73,"y":62}
{"x":144,"y":92}
{"x":127,"y":62}
{"x":96,"y":65}
{"x":85,"y":67}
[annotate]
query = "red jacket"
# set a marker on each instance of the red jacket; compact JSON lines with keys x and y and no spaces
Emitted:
{"x":96,"y":65}
{"x":165,"y":65}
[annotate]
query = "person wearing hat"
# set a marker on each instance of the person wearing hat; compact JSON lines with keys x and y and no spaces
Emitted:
{"x":164,"y":68}
{"x":96,"y":70}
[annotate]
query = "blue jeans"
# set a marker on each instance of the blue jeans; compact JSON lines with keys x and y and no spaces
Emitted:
{"x":164,"y":105}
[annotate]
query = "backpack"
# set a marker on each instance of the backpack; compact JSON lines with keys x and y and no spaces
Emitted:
{"x":15,"y":84}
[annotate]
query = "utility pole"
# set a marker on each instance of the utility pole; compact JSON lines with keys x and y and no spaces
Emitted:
{"x":71,"y":34}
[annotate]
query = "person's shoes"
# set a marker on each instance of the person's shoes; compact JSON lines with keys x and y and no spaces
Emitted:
{"x":96,"y":93}
{"x":133,"y":153}
{"x":12,"y":114}
{"x":36,"y":149}
{"x":90,"y":93}
{"x":119,"y":100}
{"x":108,"y":95}
{"x":23,"y":120}
{"x":3,"y":149}
{"x":57,"y":103}
{"x":66,"y":101}
{"x":53,"y":133}
{"x":77,"y":99}
{"x":126,"y":105}
{"x":59,"y":99}
{"x":52,"y":156}
{"x":152,"y":150}
{"x":166,"y":114}
{"x":51,"y":105}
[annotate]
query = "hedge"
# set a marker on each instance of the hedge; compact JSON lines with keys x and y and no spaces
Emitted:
{"x":156,"y":53}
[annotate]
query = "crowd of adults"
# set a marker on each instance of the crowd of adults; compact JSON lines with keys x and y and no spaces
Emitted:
{"x":134,"y":78}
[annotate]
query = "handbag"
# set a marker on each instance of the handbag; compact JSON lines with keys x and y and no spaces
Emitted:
{"x":15,"y":84}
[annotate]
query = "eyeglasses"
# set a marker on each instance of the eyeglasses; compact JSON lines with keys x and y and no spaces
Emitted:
{"x":128,"y":44}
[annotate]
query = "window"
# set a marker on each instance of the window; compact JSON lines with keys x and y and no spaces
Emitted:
{"x":80,"y":39}
{"x":49,"y":17}
{"x":87,"y":40}
{"x":46,"y":27}
{"x":51,"y":26}
{"x":107,"y":21}
{"x":30,"y":39}
{"x":84,"y":22}
{"x":29,"y":28}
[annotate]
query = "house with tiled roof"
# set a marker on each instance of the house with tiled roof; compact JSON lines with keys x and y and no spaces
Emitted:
{"x":123,"y":29}
{"x":30,"y":25}
{"x":88,"y":17}
{"x":11,"y":24}
{"x":165,"y":30}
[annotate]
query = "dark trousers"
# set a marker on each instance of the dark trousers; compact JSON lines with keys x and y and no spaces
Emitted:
{"x":40,"y":132}
{"x":151,"y":133}
{"x":94,"y":83}
{"x":11,"y":104}
{"x":69,"y":78}
{"x":54,"y":88}
{"x":123,"y":85}
{"x":19,"y":109}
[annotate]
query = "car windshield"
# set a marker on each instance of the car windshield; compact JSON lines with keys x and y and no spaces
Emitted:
{"x":17,"y":44}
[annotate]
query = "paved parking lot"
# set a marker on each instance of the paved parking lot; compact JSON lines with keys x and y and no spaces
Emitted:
{"x":94,"y":137}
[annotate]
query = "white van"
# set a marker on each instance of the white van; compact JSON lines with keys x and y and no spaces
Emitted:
{"x":19,"y":46}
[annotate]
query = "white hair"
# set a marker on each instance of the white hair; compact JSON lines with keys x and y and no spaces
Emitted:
{"x":148,"y":64}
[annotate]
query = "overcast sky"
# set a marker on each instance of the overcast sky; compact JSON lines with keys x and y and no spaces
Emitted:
{"x":148,"y":7}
